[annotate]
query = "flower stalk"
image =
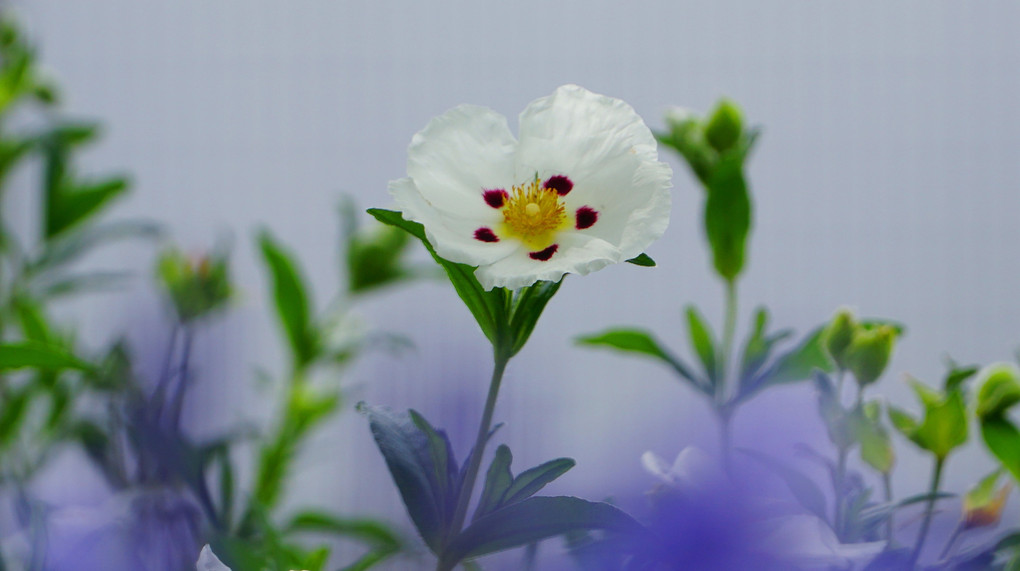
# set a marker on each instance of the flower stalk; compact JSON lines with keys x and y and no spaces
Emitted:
{"x":501,"y":358}
{"x":936,"y":479}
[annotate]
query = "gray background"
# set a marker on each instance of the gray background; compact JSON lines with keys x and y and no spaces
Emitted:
{"x":886,"y":179}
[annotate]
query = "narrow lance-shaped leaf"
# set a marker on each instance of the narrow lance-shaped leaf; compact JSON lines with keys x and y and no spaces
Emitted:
{"x":530,"y":481}
{"x":407,"y":454}
{"x":497,"y":481}
{"x":38,"y":355}
{"x":291,"y":300}
{"x":532,"y":520}
{"x":527,"y":307}
{"x":644,"y":343}
{"x":702,"y":342}
{"x":642,"y":260}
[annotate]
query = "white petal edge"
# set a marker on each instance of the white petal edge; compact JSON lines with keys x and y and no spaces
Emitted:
{"x":452,"y":236}
{"x":576,"y":254}
{"x":207,"y":561}
{"x":458,"y":155}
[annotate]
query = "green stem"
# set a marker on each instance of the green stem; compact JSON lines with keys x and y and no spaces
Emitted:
{"x":952,"y":541}
{"x":464,"y":498}
{"x":726,"y":440}
{"x":729,"y":327}
{"x":936,"y":478}
{"x":838,"y":489}
{"x":887,"y":487}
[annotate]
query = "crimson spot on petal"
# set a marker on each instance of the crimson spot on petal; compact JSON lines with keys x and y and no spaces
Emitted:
{"x":586,"y":217}
{"x":495,"y":197}
{"x":486,"y":235}
{"x":561,"y":184}
{"x":545,"y":254}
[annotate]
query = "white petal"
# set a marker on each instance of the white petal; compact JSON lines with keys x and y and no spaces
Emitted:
{"x":609,"y":153}
{"x":576,"y":253}
{"x":810,"y":542}
{"x":656,"y":466}
{"x":450,"y":234}
{"x":460,"y":154}
{"x":207,"y":561}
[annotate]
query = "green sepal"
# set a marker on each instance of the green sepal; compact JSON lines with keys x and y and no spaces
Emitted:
{"x":643,"y":260}
{"x":944,"y":425}
{"x":727,"y":215}
{"x":487,"y":307}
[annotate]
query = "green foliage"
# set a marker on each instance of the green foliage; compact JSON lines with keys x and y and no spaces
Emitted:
{"x":291,"y":300}
{"x":640,"y":342}
{"x":869,"y":352}
{"x":944,"y":425}
{"x":838,"y":336}
{"x":702,"y":343}
{"x":374,"y":256}
{"x":999,"y":391}
{"x":876,"y":446}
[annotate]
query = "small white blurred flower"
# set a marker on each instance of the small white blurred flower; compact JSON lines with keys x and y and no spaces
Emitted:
{"x":207,"y":561}
{"x":809,"y":543}
{"x":693,"y":469}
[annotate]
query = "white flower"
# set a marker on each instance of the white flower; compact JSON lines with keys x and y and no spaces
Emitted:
{"x":692,"y":471}
{"x":207,"y":561}
{"x":582,"y":188}
{"x":809,"y":543}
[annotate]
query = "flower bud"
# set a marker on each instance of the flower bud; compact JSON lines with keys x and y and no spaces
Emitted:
{"x":196,"y":286}
{"x":838,"y":336}
{"x":983,"y":504}
{"x":725,"y":126}
{"x":1000,"y":389}
{"x":869,"y":352}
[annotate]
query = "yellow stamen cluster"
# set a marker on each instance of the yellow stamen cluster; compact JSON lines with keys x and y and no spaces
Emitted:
{"x":534,"y":215}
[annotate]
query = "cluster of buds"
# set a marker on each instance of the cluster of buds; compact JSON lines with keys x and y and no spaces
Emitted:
{"x":861,"y":348}
{"x":197,"y":286}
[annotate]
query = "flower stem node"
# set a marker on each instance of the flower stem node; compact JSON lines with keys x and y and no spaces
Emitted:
{"x":579,"y":188}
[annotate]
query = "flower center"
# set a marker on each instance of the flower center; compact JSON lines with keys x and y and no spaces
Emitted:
{"x":534,"y":215}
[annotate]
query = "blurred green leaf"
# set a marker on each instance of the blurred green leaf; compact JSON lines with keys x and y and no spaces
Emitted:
{"x":728,"y":215}
{"x":291,"y":300}
{"x":70,"y":247}
{"x":73,"y":205}
{"x":39,"y":356}
{"x":362,"y":529}
{"x":643,"y":343}
{"x":531,"y":520}
{"x":944,"y":425}
{"x":999,"y":389}
{"x":876,"y":447}
{"x":1003,"y":440}
{"x":702,"y":342}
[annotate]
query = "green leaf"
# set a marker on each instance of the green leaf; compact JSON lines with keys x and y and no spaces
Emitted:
{"x":643,"y":343}
{"x":445,"y":471}
{"x":497,"y":482}
{"x":957,"y":376}
{"x":291,"y":299}
{"x":945,"y":422}
{"x":72,"y":246}
{"x":409,"y":459}
{"x":700,"y":336}
{"x":362,"y":529}
{"x":902,"y":421}
{"x":77,"y":204}
{"x":1000,"y":389}
{"x":530,"y":481}
{"x":38,"y":356}
{"x":728,"y":215}
{"x":643,"y":260}
{"x":12,"y":414}
{"x":525,"y":309}
{"x":793,"y":366}
{"x":531,"y":520}
{"x":487,"y":307}
{"x":1003,"y":440}
{"x":876,"y":447}
{"x":804,"y":490}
